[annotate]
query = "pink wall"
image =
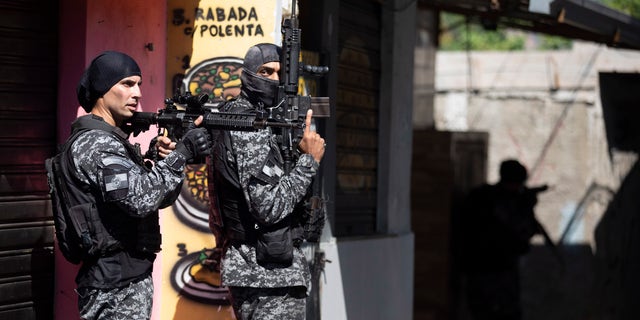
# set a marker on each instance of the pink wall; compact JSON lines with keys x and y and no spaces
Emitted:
{"x":86,"y":29}
{"x":72,"y":55}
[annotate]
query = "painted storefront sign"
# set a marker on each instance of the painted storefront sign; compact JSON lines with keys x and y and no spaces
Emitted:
{"x":206,"y":43}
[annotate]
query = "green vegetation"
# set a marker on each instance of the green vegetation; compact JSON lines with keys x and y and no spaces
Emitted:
{"x":548,"y":42}
{"x":458,"y":34}
{"x":630,"y":7}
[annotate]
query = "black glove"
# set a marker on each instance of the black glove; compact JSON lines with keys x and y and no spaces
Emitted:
{"x":194,"y":143}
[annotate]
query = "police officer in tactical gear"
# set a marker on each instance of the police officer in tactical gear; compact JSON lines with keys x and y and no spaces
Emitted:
{"x":261,"y":204}
{"x":116,"y":282}
{"x":498,"y":223}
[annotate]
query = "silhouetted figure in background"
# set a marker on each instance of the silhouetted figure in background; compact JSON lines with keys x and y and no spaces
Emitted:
{"x":497,"y":223}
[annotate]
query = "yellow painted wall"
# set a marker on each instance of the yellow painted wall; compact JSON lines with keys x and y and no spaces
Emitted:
{"x":206,"y":43}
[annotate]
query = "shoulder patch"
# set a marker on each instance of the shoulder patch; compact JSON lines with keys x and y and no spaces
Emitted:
{"x":115,"y":178}
{"x":115,"y":181}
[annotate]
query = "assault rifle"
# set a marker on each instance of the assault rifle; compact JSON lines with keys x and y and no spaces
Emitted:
{"x":177,"y":121}
{"x":532,"y":195}
{"x":289,"y":106}
{"x":537,"y":189}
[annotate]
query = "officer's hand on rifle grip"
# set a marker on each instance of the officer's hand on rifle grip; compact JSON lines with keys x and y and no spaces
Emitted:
{"x":195,"y":142}
{"x":312,"y":143}
{"x":164,"y":146}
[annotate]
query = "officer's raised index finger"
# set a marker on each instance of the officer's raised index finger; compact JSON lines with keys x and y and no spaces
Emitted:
{"x":307,"y":121}
{"x":198,"y":120}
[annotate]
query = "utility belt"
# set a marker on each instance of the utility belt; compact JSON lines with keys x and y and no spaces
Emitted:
{"x":134,"y":252}
{"x":297,"y":243}
{"x":146,"y":245}
{"x":274,"y":244}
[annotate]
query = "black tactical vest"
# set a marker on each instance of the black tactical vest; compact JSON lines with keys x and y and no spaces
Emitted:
{"x":239,"y":225}
{"x":111,"y":228}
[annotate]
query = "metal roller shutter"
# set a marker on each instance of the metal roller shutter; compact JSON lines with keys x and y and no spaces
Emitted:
{"x":357,"y":117}
{"x":28,"y":86}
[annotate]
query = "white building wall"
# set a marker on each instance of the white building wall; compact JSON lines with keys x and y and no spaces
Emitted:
{"x":543,"y":108}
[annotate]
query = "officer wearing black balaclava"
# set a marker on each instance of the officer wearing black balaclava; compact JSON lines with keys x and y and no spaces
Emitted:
{"x":260,"y":88}
{"x":260,"y":203}
{"x":117,"y":194}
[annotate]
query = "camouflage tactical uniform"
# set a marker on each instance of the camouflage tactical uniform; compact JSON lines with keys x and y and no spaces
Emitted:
{"x":271,"y":196}
{"x":132,"y":302}
{"x":123,"y":187}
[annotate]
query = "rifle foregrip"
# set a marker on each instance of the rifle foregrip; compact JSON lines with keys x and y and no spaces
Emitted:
{"x":232,"y":121}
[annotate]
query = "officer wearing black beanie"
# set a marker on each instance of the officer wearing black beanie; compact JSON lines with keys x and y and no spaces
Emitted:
{"x":117,"y":193}
{"x":104,"y":71}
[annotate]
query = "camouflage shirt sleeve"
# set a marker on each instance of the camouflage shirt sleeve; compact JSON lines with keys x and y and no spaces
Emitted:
{"x":103,"y":162}
{"x":271,"y":194}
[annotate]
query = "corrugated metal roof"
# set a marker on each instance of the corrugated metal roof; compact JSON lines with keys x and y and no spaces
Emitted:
{"x":575,"y":19}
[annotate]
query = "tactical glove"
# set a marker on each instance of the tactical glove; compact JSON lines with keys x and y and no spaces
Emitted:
{"x":194,"y":143}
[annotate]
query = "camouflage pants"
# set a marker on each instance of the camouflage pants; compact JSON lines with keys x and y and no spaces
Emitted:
{"x":269,"y":303}
{"x":131,"y":302}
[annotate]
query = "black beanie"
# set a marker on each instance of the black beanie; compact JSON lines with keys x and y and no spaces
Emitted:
{"x":104,"y":71}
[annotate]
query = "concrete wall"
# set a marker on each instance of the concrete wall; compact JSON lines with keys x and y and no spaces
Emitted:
{"x":86,"y":30}
{"x":543,"y":108}
{"x":378,"y":277}
{"x":424,"y":70}
{"x":368,"y":279}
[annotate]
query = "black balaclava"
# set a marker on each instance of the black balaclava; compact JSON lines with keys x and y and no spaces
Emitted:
{"x":256,"y":88}
{"x":104,"y":71}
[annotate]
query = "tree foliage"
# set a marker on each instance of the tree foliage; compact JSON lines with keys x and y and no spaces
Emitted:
{"x":460,"y":34}
{"x":630,"y":7}
{"x":548,"y":42}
